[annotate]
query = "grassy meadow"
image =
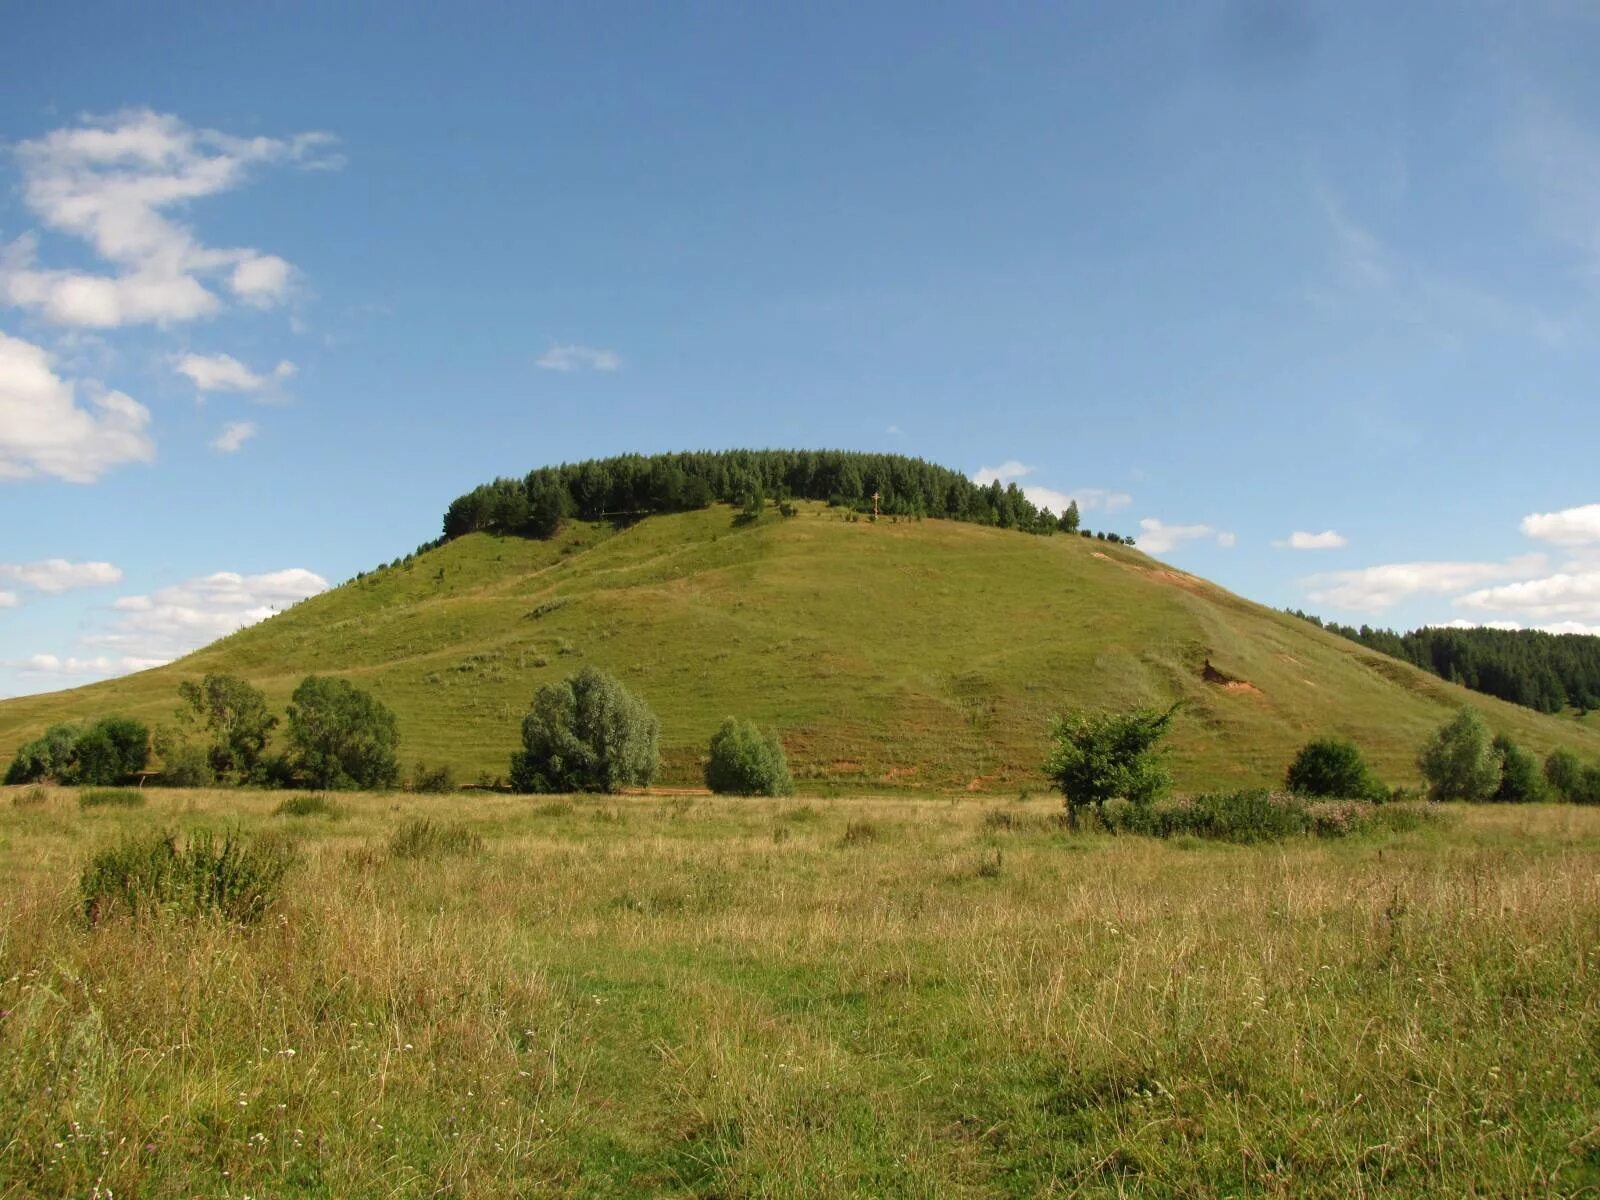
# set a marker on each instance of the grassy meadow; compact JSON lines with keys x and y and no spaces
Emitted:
{"x":901,"y":996}
{"x":902,"y":655}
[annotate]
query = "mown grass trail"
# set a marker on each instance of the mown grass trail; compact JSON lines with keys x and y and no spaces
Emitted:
{"x":695,"y":997}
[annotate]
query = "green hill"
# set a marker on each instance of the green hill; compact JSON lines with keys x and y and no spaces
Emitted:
{"x":898,"y":654}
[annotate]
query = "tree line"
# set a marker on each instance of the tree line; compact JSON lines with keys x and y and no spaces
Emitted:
{"x":636,"y":485}
{"x":1544,"y":671}
{"x":337,"y":735}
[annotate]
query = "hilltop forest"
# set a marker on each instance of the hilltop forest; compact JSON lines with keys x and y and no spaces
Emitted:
{"x":636,"y":485}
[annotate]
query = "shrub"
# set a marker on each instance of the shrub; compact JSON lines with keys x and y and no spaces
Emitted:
{"x":1520,"y":781}
{"x":1100,"y":756}
{"x":1564,"y":773}
{"x":422,"y":838}
{"x":1333,"y":767}
{"x":343,"y":737}
{"x":1459,"y":761}
{"x":110,"y":750}
{"x":1242,"y":817}
{"x":46,"y":757}
{"x":587,"y":733}
{"x":1587,"y":790}
{"x":231,"y":876}
{"x":233,"y":713}
{"x":110,"y":798}
{"x":184,"y":765}
{"x":308,"y":806}
{"x":433,"y":780}
{"x":30,"y":797}
{"x":744,"y":763}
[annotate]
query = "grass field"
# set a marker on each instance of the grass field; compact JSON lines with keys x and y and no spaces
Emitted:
{"x":912,"y":655}
{"x":892,"y":997}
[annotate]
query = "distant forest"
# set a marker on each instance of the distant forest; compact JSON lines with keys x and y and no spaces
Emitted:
{"x":1544,"y":671}
{"x":636,"y":485}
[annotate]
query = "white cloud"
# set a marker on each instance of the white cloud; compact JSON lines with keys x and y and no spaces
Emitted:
{"x":1326,"y":540}
{"x":1089,"y":499}
{"x":1006,"y":472}
{"x":1383,"y":586}
{"x":43,"y":430}
{"x":1590,"y":628}
{"x":261,"y":280}
{"x":112,"y":181}
{"x":579,"y":358}
{"x":103,"y":665}
{"x":1042,"y":497}
{"x":224,"y":373}
{"x":59,"y":575}
{"x":234,"y":434}
{"x":9,"y":600}
{"x":1158,"y":537}
{"x":1564,"y":596}
{"x":1569,"y":527}
{"x":175,"y":620}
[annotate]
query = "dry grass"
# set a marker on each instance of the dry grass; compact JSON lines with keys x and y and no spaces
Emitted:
{"x":625,"y":997}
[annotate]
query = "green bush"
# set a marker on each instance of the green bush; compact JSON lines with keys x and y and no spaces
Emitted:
{"x":308,"y":806}
{"x":587,"y":733}
{"x":230,"y":876}
{"x":1333,"y":767}
{"x":343,"y":737}
{"x":432,"y":780}
{"x":110,"y":750}
{"x":1243,"y":817}
{"x":48,"y":756}
{"x":1587,"y":790}
{"x":1564,"y":773}
{"x":1459,"y":761}
{"x":110,"y":798}
{"x":233,"y":713}
{"x":107,"y":752}
{"x":183,"y":764}
{"x":1102,"y":756}
{"x":422,"y":838}
{"x":744,"y":763}
{"x":1520,"y":780}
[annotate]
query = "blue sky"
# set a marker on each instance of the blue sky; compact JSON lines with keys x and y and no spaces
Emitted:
{"x":1305,"y":297}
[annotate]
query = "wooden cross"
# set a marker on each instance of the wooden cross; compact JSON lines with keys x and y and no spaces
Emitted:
{"x":875,"y":498}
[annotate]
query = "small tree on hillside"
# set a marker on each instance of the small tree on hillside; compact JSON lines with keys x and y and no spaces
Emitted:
{"x":1333,"y":767}
{"x":587,"y":733}
{"x":342,"y":736}
{"x":110,"y":750}
{"x":744,"y":763}
{"x":1459,"y":761}
{"x":1101,"y":756}
{"x":48,"y":756}
{"x":1520,"y":781}
{"x":233,"y":713}
{"x":1564,"y":773}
